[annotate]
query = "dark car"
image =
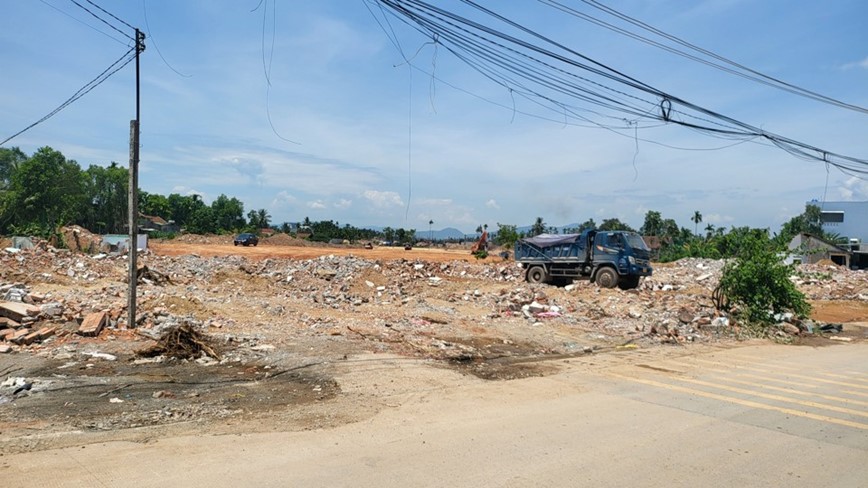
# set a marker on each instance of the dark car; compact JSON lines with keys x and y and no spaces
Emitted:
{"x":246,"y":239}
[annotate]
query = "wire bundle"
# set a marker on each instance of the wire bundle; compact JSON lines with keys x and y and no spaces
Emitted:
{"x":567,"y":82}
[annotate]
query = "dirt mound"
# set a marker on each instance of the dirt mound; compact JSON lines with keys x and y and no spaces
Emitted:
{"x":284,"y":240}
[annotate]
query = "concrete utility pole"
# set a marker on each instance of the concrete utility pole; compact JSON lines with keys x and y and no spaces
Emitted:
{"x":133,"y":192}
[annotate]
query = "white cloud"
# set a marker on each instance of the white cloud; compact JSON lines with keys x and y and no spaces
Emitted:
{"x":857,"y":64}
{"x":187,"y":191}
{"x":283,"y":198}
{"x":316,"y":205}
{"x":492,"y":203}
{"x":383,"y":199}
{"x":854,"y":189}
{"x":343,"y":203}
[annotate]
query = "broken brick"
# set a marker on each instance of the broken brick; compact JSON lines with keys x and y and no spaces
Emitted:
{"x":92,"y":324}
{"x":19,"y":335}
{"x":17,"y":311}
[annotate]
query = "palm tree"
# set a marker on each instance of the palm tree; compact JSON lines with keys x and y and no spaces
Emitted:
{"x":538,"y":227}
{"x":264,"y":218}
{"x":697,"y":218}
{"x":709,"y":229}
{"x":430,"y":232}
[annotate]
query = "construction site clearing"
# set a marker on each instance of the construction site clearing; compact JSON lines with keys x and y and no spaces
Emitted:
{"x":290,"y":335}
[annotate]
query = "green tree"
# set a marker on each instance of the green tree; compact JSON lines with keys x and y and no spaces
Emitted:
{"x":807,"y":222}
{"x":615,"y":224}
{"x":228,"y":213}
{"x":506,"y":236}
{"x":389,"y":234}
{"x":10,"y":160}
{"x":756,"y":284}
{"x":155,"y":204}
{"x":587,"y":225}
{"x":45,"y":192}
{"x":709,"y":231}
{"x":183,"y":209}
{"x":202,"y":221}
{"x":108,"y":199}
{"x":697,"y":218}
{"x":264,"y":218}
{"x":258,"y":219}
{"x":653,"y":225}
{"x":538,"y":227}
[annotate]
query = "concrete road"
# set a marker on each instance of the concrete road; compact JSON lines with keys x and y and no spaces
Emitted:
{"x":754,"y":416}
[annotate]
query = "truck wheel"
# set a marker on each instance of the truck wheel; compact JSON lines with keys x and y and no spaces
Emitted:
{"x":628,"y":282}
{"x":536,"y":274}
{"x":607,"y":278}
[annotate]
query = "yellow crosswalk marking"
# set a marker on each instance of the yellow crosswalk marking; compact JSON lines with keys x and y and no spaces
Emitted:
{"x":779,"y":398}
{"x":796,"y":375}
{"x":746,"y":403}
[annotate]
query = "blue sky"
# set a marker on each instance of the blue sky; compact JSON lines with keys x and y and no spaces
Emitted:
{"x":376,"y":143}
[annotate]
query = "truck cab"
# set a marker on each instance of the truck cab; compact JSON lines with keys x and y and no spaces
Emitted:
{"x":625,"y":253}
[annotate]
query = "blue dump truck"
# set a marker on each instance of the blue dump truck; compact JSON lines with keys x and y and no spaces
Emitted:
{"x":609,"y":258}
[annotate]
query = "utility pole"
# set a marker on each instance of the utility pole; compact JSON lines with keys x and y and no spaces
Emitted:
{"x":133,"y":192}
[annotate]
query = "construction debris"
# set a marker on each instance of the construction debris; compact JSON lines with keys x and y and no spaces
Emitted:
{"x":181,"y":342}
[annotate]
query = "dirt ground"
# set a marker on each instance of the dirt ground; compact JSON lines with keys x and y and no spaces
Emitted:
{"x":307,"y":337}
{"x":266,"y":251}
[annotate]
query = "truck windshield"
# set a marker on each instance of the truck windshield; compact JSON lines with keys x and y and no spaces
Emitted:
{"x":635,"y":241}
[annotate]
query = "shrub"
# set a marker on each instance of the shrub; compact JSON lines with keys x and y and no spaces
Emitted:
{"x":757,"y":285}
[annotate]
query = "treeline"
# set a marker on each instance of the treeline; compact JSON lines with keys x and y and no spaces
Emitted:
{"x":44,"y":191}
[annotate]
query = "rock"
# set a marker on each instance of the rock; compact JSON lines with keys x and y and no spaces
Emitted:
{"x":18,"y":311}
{"x":685,"y":315}
{"x":52,"y":309}
{"x":5,"y":348}
{"x":101,"y":355}
{"x":789,"y":328}
{"x":719,"y":322}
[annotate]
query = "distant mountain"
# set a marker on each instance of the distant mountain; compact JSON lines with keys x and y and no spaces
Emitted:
{"x":441,"y":235}
{"x":437,"y":235}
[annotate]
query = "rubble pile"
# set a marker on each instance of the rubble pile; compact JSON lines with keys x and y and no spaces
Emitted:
{"x":831,"y":282}
{"x":330,"y":294}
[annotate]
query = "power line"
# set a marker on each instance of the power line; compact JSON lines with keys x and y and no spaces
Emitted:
{"x":753,"y":74}
{"x":103,"y":20}
{"x":154,"y":42}
{"x":548,"y":74}
{"x":85,"y":24}
{"x":110,"y":15}
{"x":108,"y":72}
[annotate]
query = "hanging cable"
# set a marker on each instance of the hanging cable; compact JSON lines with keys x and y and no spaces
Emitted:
{"x":547,"y":70}
{"x":114,"y":68}
{"x":104,"y":21}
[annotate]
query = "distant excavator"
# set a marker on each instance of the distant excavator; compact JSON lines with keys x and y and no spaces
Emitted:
{"x":481,"y":244}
